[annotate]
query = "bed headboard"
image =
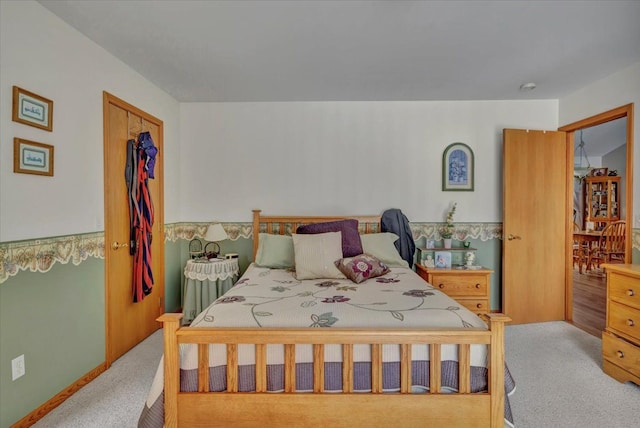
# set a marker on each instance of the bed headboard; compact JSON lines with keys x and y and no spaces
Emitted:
{"x":286,"y":225}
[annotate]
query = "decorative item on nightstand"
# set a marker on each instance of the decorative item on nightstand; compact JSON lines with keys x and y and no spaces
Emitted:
{"x":429,"y":262}
{"x":215,"y":233}
{"x":447,"y":230}
{"x":469,"y":258}
{"x":195,"y":249}
{"x":443,"y":259}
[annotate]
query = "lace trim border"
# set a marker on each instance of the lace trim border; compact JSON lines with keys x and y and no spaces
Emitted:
{"x":40,"y":255}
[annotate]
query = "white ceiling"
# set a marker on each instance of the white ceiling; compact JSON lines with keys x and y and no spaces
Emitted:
{"x":363,"y":50}
{"x":602,"y":139}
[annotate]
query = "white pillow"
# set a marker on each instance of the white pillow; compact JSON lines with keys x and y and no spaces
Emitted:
{"x":381,"y":246}
{"x":315,"y":255}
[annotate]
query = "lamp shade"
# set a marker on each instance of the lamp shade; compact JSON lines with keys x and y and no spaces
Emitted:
{"x":215,"y":233}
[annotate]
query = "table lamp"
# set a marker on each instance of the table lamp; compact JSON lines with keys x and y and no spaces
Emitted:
{"x":215,"y":233}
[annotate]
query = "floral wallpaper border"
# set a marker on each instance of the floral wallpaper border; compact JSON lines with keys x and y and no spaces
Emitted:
{"x":40,"y":255}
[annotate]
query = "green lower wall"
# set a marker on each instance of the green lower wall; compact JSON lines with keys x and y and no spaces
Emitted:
{"x":56,"y":319}
{"x":173,"y":275}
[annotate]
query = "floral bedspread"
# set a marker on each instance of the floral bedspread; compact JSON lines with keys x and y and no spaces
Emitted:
{"x":266,"y":297}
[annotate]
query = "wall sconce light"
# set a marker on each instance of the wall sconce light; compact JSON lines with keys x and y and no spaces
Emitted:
{"x":215,"y":233}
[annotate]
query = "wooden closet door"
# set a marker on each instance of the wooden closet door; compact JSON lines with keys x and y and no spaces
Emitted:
{"x":534,"y":225}
{"x":128,"y":323}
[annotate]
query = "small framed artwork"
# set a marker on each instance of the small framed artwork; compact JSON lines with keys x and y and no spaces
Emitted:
{"x":30,"y":157}
{"x":600,"y":172}
{"x":32,"y":109}
{"x":443,"y":259}
{"x":431,"y":243}
{"x":457,"y":168}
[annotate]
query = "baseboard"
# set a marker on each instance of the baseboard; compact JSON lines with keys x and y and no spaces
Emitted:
{"x":59,"y":398}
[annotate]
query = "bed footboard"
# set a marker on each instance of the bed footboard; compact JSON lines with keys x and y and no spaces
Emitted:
{"x":345,"y":409}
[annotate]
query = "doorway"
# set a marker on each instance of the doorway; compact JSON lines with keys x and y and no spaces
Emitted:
{"x":128,"y":323}
{"x":586,"y":294}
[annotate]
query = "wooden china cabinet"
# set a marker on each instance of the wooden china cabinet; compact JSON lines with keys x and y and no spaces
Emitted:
{"x":602,"y":200}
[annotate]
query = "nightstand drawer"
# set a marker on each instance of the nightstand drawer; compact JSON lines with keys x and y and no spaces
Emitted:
{"x":624,"y":289}
{"x":624,"y":319}
{"x":477,"y":306}
{"x":621,"y":353}
{"x":461,"y":285}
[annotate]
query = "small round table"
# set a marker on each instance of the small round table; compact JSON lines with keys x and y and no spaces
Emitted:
{"x":204,"y":282}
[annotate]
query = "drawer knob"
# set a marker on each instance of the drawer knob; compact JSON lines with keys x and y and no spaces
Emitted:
{"x":631,"y":293}
{"x":620,"y":354}
{"x":477,"y":285}
{"x":630,"y":323}
{"x":479,"y":305}
{"x":441,"y":285}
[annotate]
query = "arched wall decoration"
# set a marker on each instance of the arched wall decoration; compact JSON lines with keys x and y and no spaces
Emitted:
{"x":457,"y":168}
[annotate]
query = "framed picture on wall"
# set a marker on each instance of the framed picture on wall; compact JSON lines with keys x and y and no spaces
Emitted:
{"x":30,"y":157}
{"x":457,"y":168}
{"x":32,"y":109}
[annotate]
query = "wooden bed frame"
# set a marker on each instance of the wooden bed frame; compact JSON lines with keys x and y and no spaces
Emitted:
{"x":346,"y":409}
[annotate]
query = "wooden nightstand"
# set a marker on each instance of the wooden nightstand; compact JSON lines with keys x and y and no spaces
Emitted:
{"x":471,"y":288}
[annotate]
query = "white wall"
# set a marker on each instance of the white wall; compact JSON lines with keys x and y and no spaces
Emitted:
{"x":618,"y":89}
{"x":42,"y":54}
{"x":345,"y":157}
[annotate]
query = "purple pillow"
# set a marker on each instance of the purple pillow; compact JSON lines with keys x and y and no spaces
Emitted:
{"x":351,"y":243}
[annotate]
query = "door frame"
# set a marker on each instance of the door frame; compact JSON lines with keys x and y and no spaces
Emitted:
{"x":570,"y":129}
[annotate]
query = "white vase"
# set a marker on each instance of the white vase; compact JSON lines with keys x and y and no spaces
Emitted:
{"x":447,"y":242}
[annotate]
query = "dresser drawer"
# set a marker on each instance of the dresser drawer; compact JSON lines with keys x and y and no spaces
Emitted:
{"x":624,"y":319}
{"x":463,"y":285}
{"x":624,"y":289}
{"x":621,"y":353}
{"x":477,"y":306}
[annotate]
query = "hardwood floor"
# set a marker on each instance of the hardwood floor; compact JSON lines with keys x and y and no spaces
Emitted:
{"x":589,"y":301}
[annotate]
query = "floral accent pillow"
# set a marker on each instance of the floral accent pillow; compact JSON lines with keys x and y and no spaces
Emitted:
{"x":362,"y":267}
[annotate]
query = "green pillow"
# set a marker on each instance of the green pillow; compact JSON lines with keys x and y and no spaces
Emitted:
{"x":275,"y":251}
{"x":380,"y":246}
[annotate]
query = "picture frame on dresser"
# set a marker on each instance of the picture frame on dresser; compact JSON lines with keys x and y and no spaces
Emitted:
{"x":443,"y":259}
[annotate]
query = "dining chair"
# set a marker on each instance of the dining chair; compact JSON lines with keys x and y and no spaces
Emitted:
{"x":611,"y":245}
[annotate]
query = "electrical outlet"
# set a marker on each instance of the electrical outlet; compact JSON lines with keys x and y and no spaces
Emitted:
{"x":17,"y":367}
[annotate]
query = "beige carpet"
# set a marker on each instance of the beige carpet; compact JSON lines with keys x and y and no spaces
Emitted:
{"x":560,"y":383}
{"x":556,"y":366}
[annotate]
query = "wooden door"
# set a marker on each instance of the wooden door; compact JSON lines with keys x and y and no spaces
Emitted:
{"x":128,"y":323}
{"x":534,"y":225}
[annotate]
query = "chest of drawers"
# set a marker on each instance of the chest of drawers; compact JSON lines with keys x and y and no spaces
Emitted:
{"x":471,"y":288}
{"x":621,"y":338}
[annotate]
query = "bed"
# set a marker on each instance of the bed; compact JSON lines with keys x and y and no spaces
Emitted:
{"x":361,"y":347}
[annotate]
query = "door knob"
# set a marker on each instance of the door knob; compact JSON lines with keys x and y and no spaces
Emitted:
{"x":512,"y":237}
{"x":116,"y":245}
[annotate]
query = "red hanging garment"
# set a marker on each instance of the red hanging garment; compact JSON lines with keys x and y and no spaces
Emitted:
{"x":143,"y":218}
